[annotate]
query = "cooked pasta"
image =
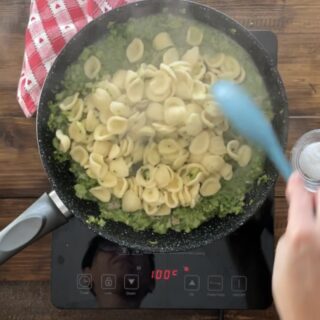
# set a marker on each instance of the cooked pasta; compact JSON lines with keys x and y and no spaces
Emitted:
{"x":92,"y":67}
{"x":135,"y":50}
{"x":150,"y":137}
{"x":194,"y":36}
{"x":162,"y":41}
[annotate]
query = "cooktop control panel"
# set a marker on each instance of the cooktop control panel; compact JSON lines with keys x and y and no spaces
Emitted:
{"x":234,"y":273}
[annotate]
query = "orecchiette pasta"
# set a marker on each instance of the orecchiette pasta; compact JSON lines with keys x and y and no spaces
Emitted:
{"x":101,"y":133}
{"x":135,"y":50}
{"x":168,"y":70}
{"x":163,"y":175}
{"x":96,"y":165}
{"x":185,"y":84}
{"x":192,"y":56}
{"x":120,"y":109}
{"x":175,"y":185}
{"x":102,"y":147}
{"x":126,"y":146}
{"x":151,"y":195}
{"x":151,"y":155}
{"x":175,"y":115}
{"x":171,"y":199}
{"x":244,"y":155}
{"x":195,"y":194}
{"x":192,"y":174}
{"x":101,"y":193}
{"x":120,"y":168}
{"x":168,"y":146}
{"x":152,"y":136}
{"x":210,"y":187}
{"x":215,"y":62}
{"x":230,"y":69}
{"x":117,"y":125}
{"x":155,"y":112}
{"x":150,"y":209}
{"x":210,"y":77}
{"x":137,"y":154}
{"x":119,"y":79}
{"x":146,"y":133}
{"x":163,"y":130}
{"x":76,"y":111}
{"x":64,"y":140}
{"x":159,"y":88}
{"x":101,"y":99}
{"x":241,"y":77}
{"x":180,"y":159}
{"x":170,"y":56}
{"x":200,"y":144}
{"x":108,"y":180}
{"x":194,"y":36}
{"x":92,"y":67}
{"x":115,"y":152}
{"x":145,"y":176}
{"x":91,"y":121}
{"x":121,"y":187}
{"x":232,"y":149}
{"x":147,"y":71}
{"x":185,"y":197}
{"x":213,"y":164}
{"x":162,"y":41}
{"x":199,"y":70}
{"x":217,"y":146}
{"x":79,"y":154}
{"x":77,"y":132}
{"x":131,"y":201}
{"x":69,"y":102}
{"x":111,"y":88}
{"x":164,"y":210}
{"x":194,"y":124}
{"x":227,"y":172}
{"x":199,"y":91}
{"x":135,"y":90}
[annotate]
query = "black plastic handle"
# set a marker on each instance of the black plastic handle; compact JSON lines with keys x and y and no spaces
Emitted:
{"x":42,"y":217}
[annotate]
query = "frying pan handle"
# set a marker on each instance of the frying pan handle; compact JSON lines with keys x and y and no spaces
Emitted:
{"x":43,"y":216}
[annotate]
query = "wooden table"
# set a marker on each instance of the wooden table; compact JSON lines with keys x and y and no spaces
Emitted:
{"x":24,"y":280}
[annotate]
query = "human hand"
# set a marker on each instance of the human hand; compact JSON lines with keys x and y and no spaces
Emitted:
{"x":296,"y":276}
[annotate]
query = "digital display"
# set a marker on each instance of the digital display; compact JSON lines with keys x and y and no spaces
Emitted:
{"x":164,"y":274}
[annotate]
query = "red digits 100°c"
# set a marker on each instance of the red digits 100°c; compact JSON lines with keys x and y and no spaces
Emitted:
{"x":163,"y":274}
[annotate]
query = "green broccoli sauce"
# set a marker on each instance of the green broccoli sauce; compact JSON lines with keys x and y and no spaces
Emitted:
{"x":111,"y":51}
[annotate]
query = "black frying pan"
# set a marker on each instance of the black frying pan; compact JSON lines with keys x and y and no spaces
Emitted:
{"x":53,"y":210}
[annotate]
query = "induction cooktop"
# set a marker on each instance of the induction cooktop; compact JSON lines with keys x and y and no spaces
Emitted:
{"x":89,"y":272}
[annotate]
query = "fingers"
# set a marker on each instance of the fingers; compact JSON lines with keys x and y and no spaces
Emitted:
{"x":294,"y":182}
{"x":317,"y":207}
{"x":301,"y":208}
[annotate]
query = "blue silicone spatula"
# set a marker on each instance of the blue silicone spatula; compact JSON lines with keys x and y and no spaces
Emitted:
{"x":248,"y":119}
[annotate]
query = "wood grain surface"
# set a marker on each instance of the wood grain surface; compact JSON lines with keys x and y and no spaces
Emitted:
{"x":24,"y":281}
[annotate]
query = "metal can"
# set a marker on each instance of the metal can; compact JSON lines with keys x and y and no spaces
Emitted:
{"x":306,"y":159}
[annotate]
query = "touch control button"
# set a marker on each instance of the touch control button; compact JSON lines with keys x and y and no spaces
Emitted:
{"x":239,"y":284}
{"x":131,"y":282}
{"x":191,"y":282}
{"x":108,"y":281}
{"x":84,"y":281}
{"x":215,"y":283}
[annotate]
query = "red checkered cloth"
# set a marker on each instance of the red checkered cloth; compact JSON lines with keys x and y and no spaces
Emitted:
{"x":51,"y":25}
